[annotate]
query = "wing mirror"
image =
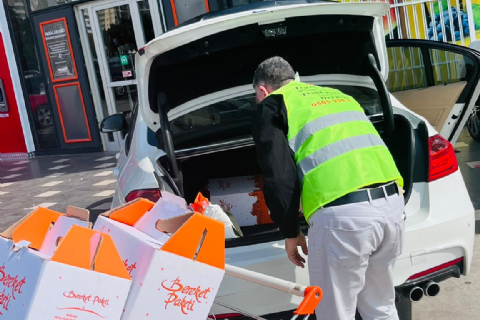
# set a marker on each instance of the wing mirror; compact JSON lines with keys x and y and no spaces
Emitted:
{"x":114,"y":123}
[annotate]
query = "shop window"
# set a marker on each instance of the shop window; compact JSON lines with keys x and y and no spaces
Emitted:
{"x":38,"y":105}
{"x":125,"y":97}
{"x":44,"y":4}
{"x":72,"y":112}
{"x":146,"y":20}
{"x":94,"y":58}
{"x":407,"y":70}
{"x":119,"y":40}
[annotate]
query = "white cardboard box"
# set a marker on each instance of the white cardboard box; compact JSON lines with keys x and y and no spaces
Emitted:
{"x":84,"y":279}
{"x":169,"y":208}
{"x":174,"y":277}
{"x":243,"y":197}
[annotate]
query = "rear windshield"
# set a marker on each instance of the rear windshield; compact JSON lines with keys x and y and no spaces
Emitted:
{"x":239,"y":112}
{"x":231,"y":111}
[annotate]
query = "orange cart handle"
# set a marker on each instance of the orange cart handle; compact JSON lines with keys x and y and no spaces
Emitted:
{"x":312,"y":297}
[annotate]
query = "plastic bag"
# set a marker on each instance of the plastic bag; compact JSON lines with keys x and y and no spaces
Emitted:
{"x":214,"y":211}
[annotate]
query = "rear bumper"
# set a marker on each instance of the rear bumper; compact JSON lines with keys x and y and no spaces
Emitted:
{"x":440,"y":228}
{"x":451,"y":271}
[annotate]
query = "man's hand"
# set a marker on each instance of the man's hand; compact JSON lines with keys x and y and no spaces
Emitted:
{"x":291,"y":245}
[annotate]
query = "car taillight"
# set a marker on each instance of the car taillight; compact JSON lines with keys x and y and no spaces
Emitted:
{"x":435,"y":269}
{"x":150,"y":194}
{"x":442,"y":158}
{"x":225,"y":316}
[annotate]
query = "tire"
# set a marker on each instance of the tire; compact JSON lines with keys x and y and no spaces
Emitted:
{"x":44,"y":116}
{"x":473,"y":124}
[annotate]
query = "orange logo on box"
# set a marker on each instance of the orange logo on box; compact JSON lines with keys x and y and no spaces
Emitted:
{"x":259,"y":208}
{"x":184,"y":297}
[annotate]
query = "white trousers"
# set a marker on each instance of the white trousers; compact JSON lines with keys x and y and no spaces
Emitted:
{"x":351,"y":254}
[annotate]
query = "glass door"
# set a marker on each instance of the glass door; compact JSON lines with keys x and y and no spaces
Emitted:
{"x":69,"y":107}
{"x":113,"y":31}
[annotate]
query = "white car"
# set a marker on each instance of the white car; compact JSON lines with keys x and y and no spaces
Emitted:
{"x":196,"y":103}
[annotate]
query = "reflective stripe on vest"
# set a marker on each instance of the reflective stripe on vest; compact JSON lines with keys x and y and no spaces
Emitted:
{"x":337,"y":149}
{"x":321,"y":123}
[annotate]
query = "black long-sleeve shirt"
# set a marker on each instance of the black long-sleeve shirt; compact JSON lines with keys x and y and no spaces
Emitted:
{"x":281,"y":183}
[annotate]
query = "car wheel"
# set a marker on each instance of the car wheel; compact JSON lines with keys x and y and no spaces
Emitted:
{"x":44,"y":116}
{"x":473,"y":124}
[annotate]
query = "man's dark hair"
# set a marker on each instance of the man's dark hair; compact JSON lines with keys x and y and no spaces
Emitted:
{"x":274,"y":72}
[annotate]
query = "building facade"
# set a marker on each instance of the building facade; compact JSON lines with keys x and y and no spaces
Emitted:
{"x":71,"y":64}
{"x":66,"y":65}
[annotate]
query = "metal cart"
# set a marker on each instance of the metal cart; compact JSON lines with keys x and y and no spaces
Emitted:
{"x":311,"y":295}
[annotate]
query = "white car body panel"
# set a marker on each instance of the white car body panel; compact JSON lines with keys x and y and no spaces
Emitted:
{"x":136,"y":169}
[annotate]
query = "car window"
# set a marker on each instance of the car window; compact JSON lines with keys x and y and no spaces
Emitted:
{"x":408,"y":70}
{"x":222,"y":113}
{"x":243,"y":108}
{"x":366,"y":97}
{"x":449,"y":67}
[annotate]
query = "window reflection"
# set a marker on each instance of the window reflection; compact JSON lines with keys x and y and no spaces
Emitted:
{"x":94,"y":58}
{"x":119,"y":41}
{"x":146,"y":19}
{"x":40,"y":110}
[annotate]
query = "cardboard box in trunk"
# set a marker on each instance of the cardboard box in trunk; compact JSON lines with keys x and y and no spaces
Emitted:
{"x":243,"y":197}
{"x":81,"y":278}
{"x":177,"y":267}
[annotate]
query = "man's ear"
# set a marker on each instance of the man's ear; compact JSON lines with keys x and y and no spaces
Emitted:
{"x":264,"y":90}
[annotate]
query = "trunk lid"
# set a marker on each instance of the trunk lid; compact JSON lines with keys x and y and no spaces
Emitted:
{"x":218,"y":55}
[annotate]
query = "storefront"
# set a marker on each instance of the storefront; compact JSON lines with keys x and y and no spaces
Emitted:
{"x":75,"y":63}
{"x":72,"y":62}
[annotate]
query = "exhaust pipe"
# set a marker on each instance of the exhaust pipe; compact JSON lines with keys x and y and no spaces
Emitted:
{"x":431,"y":289}
{"x":416,"y":294}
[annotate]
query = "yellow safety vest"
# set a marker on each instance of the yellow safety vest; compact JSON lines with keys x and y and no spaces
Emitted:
{"x":337,"y":149}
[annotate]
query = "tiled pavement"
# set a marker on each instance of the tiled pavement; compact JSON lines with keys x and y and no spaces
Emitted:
{"x":84,"y":180}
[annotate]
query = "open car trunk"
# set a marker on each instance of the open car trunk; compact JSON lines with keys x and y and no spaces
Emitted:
{"x":231,"y":178}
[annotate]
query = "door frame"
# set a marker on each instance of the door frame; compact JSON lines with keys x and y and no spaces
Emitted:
{"x":108,"y":86}
{"x":471,"y":91}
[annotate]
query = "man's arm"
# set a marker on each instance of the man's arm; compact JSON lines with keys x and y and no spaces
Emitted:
{"x":276,"y":160}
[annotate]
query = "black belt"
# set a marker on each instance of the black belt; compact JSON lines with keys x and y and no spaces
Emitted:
{"x":362,"y":195}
